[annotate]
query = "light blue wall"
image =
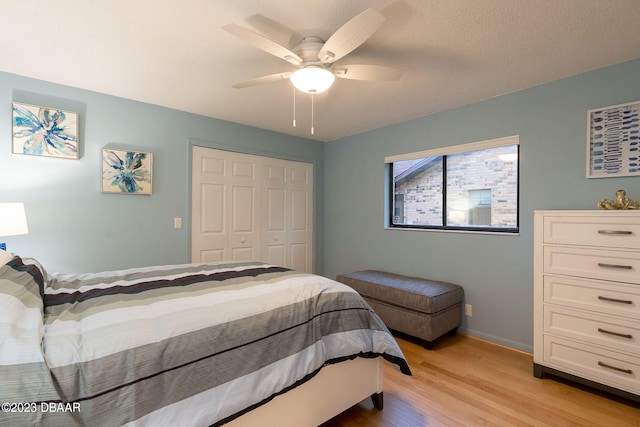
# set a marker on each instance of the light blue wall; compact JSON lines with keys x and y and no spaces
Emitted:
{"x":76,"y":228}
{"x":495,"y":271}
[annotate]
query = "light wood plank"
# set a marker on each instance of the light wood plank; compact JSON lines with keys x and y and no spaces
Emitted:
{"x":465,"y":381}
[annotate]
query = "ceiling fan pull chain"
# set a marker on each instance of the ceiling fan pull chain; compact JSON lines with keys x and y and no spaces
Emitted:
{"x":294,"y":106}
{"x":312,"y":114}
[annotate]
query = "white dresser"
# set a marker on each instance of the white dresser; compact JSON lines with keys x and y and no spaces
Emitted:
{"x":587,"y":298}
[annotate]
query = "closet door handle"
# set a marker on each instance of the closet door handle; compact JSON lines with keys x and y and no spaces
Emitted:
{"x":621,"y":301}
{"x":618,"y":266}
{"x":616,"y":232}
{"x":615,"y":368}
{"x":617,"y":334}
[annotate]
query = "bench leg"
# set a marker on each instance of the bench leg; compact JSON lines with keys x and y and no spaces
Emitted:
{"x":378,"y":400}
{"x":453,"y":332}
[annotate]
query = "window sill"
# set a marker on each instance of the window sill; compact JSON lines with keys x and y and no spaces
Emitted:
{"x":437,"y":230}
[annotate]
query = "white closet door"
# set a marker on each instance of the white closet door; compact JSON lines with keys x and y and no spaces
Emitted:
{"x":225,"y":203}
{"x":287,"y":224}
{"x":247,"y":207}
{"x":300,"y":233}
{"x":276,"y":218}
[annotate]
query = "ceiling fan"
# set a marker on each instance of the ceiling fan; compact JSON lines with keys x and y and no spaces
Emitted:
{"x":315,"y":59}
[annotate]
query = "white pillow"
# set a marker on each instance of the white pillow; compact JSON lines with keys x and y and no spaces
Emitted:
{"x":5,"y":257}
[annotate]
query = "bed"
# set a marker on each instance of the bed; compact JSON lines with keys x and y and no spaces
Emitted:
{"x":232,"y":343}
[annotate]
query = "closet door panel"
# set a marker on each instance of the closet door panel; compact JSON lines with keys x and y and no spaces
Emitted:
{"x":275,"y":254}
{"x":300,"y":256}
{"x":209,"y":213}
{"x":275,"y":209}
{"x":276,"y":216}
{"x":243,"y":210}
{"x":215,"y":255}
{"x":301,"y":210}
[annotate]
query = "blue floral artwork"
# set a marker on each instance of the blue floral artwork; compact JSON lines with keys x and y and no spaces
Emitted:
{"x":127,"y":172}
{"x":43,"y":131}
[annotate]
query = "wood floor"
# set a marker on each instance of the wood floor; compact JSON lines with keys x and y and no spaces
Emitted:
{"x":464,"y":381}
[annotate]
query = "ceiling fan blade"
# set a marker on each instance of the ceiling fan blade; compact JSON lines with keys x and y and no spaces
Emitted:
{"x":264,"y":79}
{"x":274,"y":30}
{"x":367,"y":72}
{"x":263,"y":43}
{"x":351,"y":35}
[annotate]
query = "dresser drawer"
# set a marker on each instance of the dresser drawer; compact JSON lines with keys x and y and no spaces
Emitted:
{"x":604,"y":297}
{"x":616,"y":333}
{"x":612,"y":231}
{"x":606,"y":367}
{"x":617,"y":266}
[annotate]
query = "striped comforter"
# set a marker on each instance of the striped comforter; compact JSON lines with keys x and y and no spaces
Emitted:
{"x":192,"y":344}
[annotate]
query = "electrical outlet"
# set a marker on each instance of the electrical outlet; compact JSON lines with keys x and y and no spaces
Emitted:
{"x":468,"y":310}
{"x":177,"y":222}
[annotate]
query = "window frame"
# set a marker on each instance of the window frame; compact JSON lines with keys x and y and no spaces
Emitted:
{"x":444,"y":152}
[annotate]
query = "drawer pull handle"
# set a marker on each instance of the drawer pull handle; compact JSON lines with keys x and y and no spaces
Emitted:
{"x":621,"y":267}
{"x":615,"y":368}
{"x":617,"y":334}
{"x":617,"y":232}
{"x":621,"y":301}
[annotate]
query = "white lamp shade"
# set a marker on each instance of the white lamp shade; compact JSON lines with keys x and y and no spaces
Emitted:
{"x":312,"y":79}
{"x":13,"y":220}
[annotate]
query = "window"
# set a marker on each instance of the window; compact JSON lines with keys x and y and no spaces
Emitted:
{"x":466,"y":187}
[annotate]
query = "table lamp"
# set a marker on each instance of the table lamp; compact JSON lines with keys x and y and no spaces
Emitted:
{"x":13,"y":221}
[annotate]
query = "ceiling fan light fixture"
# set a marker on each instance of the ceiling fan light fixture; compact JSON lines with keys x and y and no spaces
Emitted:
{"x":312,"y":79}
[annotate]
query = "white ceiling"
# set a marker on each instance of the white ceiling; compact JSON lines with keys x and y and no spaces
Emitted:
{"x":174,"y":53}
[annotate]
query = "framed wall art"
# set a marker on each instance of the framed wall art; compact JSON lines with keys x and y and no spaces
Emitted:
{"x":44,"y":131}
{"x":613,"y":141}
{"x":126,"y":172}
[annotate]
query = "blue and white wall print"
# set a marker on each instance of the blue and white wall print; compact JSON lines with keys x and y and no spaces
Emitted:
{"x":613,"y":141}
{"x":44,"y":131}
{"x":126,"y":172}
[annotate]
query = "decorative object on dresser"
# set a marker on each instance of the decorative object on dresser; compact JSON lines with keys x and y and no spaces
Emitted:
{"x":587,"y":298}
{"x":422,"y":308}
{"x":622,"y":202}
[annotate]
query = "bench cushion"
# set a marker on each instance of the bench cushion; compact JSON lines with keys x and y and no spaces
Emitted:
{"x":421,"y":295}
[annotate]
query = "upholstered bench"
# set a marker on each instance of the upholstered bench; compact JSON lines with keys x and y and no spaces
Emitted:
{"x":422,"y":308}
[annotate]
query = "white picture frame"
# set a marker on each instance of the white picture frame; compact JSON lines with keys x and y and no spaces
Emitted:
{"x":613,"y":141}
{"x":44,"y":131}
{"x":127,"y":171}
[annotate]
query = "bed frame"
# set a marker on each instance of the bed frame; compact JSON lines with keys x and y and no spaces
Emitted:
{"x":333,"y":390}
